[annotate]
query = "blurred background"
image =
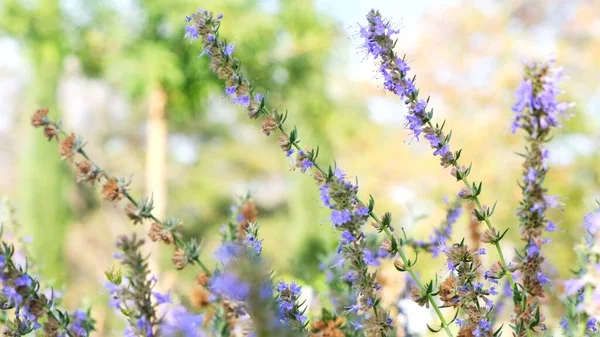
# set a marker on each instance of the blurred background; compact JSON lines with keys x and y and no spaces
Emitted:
{"x":119,"y":73}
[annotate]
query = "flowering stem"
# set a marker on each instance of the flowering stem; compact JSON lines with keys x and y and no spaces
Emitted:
{"x":79,"y":149}
{"x":490,"y":227}
{"x":401,"y":252}
{"x":35,"y":294}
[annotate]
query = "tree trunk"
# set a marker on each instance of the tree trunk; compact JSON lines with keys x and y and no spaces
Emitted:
{"x":156,"y":149}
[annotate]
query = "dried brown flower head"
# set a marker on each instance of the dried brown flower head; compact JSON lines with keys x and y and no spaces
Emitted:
{"x":113,"y":190}
{"x":158,"y":232}
{"x":51,"y":131}
{"x":269,"y":124}
{"x":40,"y":118}
{"x":319,"y":177}
{"x":200,"y":297}
{"x":179,"y":259}
{"x":249,"y":215}
{"x":67,"y":148}
{"x":284,"y":142}
{"x":202,"y":279}
{"x":327,"y":329}
{"x":51,"y":327}
{"x":87,"y":172}
{"x":448,"y":292}
{"x":37,"y":307}
{"x":489,"y":236}
{"x":133,"y":213}
{"x":417,"y":295}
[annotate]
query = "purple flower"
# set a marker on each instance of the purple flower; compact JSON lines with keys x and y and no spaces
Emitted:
{"x":489,"y":276}
{"x":231,"y":90}
{"x":286,"y":306}
{"x":228,"y":252}
{"x":493,"y":291}
{"x":370,"y":258}
{"x":347,"y":237}
{"x":402,"y":66}
{"x":160,"y":298}
{"x":531,"y":175}
{"x":281,"y":286}
{"x":191,"y":32}
{"x":592,"y":221}
{"x":295,"y":288}
{"x":259,"y":97}
{"x":488,"y":304}
{"x":339,"y":174}
{"x":542,"y":278}
{"x":532,"y":249}
{"x":478,"y":287}
{"x":306,"y":164}
{"x":451,"y":266}
{"x":524,"y":96}
{"x":255,"y":244}
{"x":229,"y":284}
{"x":551,"y":226}
{"x":573,"y":286}
{"x":229,"y":48}
{"x":545,"y":156}
{"x":23,"y":281}
{"x":362,"y":212}
{"x":420,"y":107}
{"x":434,"y":140}
{"x":480,"y":251}
{"x":564,"y":324}
{"x":454,"y":215}
{"x":415,"y":124}
{"x":350,"y":276}
{"x":460,"y":322}
{"x":289,"y":152}
{"x":301,"y":318}
{"x":339,"y":218}
{"x":325,"y":196}
{"x":242,"y":101}
{"x":442,"y":151}
{"x":356,"y":325}
{"x":266,"y":290}
{"x":11,"y":294}
{"x":180,"y":320}
{"x":591,"y":324}
{"x":552,"y":202}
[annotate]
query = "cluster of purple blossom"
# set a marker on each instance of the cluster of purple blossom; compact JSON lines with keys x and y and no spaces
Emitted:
{"x":21,"y":292}
{"x":537,"y":110}
{"x":378,"y":43}
{"x":537,"y":107}
{"x":583,"y":291}
{"x":290,"y":311}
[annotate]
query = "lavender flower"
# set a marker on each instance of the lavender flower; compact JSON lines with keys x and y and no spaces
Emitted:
{"x":536,"y":110}
{"x":230,"y":285}
{"x":290,"y":312}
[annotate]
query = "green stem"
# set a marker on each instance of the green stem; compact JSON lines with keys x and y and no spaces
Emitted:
{"x":490,"y":227}
{"x":419,"y":283}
